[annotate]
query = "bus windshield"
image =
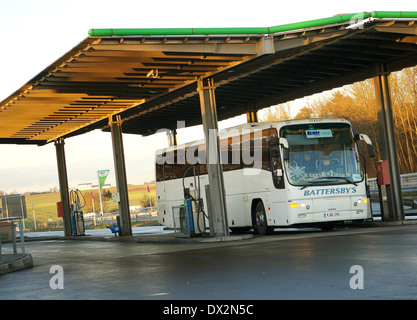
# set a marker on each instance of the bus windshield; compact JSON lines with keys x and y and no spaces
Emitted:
{"x":321,"y":154}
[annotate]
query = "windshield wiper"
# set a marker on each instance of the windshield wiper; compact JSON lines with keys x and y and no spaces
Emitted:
{"x":344,"y":178}
{"x":311,"y":183}
{"x":320,"y":182}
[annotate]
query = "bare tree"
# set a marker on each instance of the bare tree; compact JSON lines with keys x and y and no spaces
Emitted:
{"x":357,"y":103}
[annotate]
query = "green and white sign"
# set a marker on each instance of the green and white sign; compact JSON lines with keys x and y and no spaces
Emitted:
{"x":102,"y":175}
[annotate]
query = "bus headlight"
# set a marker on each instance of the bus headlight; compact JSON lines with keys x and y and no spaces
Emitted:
{"x":301,"y":205}
{"x":360,"y":201}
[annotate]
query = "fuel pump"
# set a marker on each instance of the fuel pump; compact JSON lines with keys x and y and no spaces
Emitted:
{"x":193,"y":204}
{"x":78,"y":228}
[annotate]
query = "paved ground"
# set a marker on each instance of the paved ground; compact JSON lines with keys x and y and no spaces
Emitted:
{"x":290,"y":264}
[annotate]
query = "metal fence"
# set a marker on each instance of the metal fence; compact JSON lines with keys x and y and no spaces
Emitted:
{"x":137,"y":215}
{"x":408,"y":183}
{"x":112,"y":218}
{"x":10,"y":235}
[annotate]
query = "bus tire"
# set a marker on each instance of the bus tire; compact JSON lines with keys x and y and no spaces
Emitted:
{"x":260,"y":223}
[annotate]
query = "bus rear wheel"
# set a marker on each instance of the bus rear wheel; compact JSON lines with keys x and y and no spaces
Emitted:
{"x":260,"y":223}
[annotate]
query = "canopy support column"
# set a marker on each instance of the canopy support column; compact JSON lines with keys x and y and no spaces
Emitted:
{"x":252,"y":115}
{"x":172,"y":137}
{"x":115,"y":123}
{"x":389,"y":148}
{"x":218,"y":214}
{"x":63,"y":184}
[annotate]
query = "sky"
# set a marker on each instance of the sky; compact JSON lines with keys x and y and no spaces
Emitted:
{"x":35,"y":33}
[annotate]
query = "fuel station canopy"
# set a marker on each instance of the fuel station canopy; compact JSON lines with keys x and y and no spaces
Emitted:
{"x":149,"y":77}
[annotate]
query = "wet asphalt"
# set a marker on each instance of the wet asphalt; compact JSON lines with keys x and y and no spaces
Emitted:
{"x":348,"y":263}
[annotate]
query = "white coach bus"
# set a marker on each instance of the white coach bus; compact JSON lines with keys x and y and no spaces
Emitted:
{"x":298,"y":173}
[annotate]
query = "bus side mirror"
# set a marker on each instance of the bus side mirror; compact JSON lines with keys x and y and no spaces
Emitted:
{"x":285,"y":148}
{"x":368,"y":142}
{"x":285,"y":154}
{"x":370,"y":150}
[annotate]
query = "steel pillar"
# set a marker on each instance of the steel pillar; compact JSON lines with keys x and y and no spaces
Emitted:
{"x":172,"y":137}
{"x":120,"y":170}
{"x":218,"y":213}
{"x":252,"y":116}
{"x":63,"y":184}
{"x":389,"y":148}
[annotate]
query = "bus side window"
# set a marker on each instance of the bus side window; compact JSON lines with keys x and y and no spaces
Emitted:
{"x":159,"y":167}
{"x":276,"y":167}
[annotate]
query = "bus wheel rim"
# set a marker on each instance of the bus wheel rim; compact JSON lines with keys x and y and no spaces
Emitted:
{"x":260,"y":218}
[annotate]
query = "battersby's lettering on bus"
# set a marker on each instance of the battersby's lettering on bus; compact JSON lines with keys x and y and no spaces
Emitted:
{"x":319,"y":192}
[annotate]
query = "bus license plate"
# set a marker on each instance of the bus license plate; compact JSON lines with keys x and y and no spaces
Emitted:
{"x":332,"y":214}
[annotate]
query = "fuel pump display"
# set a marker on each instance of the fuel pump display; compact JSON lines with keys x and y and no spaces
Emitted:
{"x":77,"y":219}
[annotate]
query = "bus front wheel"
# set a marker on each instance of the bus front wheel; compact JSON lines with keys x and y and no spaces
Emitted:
{"x":260,"y":223}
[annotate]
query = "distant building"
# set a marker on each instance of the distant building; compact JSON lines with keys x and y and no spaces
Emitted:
{"x":89,"y":186}
{"x":85,"y":186}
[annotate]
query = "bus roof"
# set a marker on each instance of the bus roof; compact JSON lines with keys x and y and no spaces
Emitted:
{"x":254,"y":126}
